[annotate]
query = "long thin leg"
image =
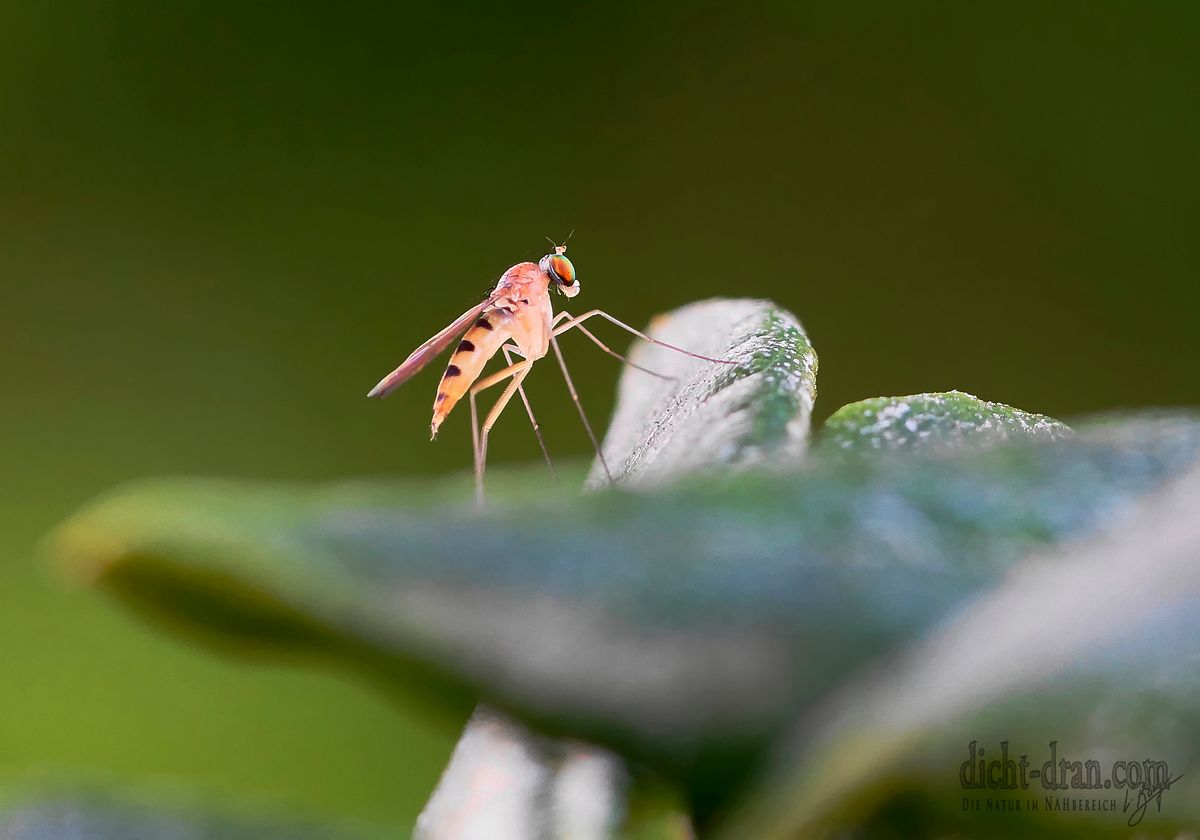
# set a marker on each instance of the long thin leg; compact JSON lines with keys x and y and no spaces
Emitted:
{"x":475,"y":442}
{"x":574,"y":322}
{"x":492,"y":417}
{"x":486,"y":382}
{"x":478,"y":437}
{"x":475,"y":453}
{"x":499,"y":376}
{"x":537,"y":428}
{"x":562,"y":363}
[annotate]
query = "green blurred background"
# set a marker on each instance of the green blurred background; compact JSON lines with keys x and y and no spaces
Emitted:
{"x":220,"y":223}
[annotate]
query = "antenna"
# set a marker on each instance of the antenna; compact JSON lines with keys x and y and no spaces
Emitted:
{"x":559,"y":249}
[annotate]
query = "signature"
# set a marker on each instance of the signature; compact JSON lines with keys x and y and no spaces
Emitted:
{"x":1145,"y":796}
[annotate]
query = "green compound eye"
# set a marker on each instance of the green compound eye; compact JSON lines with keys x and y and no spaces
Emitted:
{"x":561,"y":270}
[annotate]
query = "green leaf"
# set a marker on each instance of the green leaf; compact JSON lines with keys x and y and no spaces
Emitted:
{"x":1086,"y":652}
{"x":932,"y":422}
{"x":687,"y":628}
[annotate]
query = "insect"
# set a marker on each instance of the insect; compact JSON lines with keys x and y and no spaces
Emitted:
{"x":516,"y":319}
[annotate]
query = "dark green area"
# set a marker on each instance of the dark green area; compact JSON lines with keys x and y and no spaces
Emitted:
{"x":220,"y":223}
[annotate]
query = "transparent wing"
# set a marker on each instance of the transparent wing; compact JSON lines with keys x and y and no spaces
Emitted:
{"x":424,"y":354}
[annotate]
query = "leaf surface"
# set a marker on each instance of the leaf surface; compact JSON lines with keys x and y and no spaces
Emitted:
{"x":688,"y":627}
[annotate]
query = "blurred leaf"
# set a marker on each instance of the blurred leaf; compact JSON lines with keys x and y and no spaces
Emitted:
{"x":687,"y":628}
{"x":932,"y":422}
{"x":94,"y":817}
{"x":1092,"y":645}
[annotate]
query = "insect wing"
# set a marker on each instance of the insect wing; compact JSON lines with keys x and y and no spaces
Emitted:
{"x":424,"y":354}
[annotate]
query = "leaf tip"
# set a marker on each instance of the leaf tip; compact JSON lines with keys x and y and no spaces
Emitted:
{"x":81,"y":552}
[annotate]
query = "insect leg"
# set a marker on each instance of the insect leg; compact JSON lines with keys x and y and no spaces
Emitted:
{"x":537,"y":429}
{"x":574,"y":323}
{"x":562,"y":363}
{"x":641,"y":335}
{"x":475,"y":446}
{"x":517,"y":372}
{"x":492,"y":417}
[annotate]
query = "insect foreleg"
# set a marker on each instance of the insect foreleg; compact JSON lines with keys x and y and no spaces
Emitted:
{"x":574,"y":324}
{"x":580,"y":318}
{"x":537,"y":429}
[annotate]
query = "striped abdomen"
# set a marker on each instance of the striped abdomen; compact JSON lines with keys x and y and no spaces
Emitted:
{"x":479,"y":344}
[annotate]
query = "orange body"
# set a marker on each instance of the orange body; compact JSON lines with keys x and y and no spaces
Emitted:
{"x":521,"y":310}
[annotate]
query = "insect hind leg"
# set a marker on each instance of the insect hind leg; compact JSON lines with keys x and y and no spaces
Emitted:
{"x":517,"y":374}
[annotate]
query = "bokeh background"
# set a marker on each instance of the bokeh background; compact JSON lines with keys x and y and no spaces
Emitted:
{"x":220,"y":223}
